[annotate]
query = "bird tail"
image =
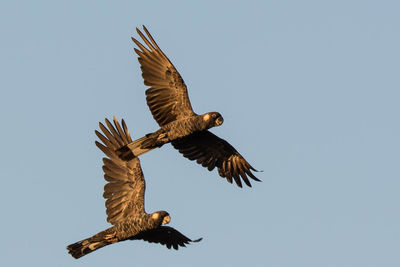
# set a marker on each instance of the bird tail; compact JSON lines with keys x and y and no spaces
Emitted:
{"x":118,"y":141}
{"x":86,"y":246}
{"x":136,"y":148}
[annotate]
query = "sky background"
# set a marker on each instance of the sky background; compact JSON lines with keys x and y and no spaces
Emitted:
{"x":309,"y":91}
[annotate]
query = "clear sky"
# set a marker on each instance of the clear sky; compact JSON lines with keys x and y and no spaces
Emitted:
{"x":309,"y":91}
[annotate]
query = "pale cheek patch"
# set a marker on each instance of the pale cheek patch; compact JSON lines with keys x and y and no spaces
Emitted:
{"x":206,"y":117}
{"x":166,"y":220}
{"x":155,"y":216}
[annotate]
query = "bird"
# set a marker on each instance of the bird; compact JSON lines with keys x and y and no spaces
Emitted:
{"x":124,"y":194}
{"x":168,"y":101}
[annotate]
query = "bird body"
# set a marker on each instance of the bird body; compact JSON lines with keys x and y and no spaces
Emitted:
{"x":124,"y":194}
{"x":168,"y":100}
{"x":170,"y":132}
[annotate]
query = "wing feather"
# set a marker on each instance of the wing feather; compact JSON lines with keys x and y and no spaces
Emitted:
{"x":124,"y":192}
{"x":210,"y":151}
{"x":167,"y":236}
{"x":167,"y":96}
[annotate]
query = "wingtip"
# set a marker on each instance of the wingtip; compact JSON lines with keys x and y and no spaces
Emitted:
{"x":239,"y":184}
{"x":116,"y":122}
{"x":197,"y":240}
{"x":97,"y":133}
{"x":256,"y":170}
{"x":255,"y":178}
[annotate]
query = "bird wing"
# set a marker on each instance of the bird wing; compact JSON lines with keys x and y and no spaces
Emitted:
{"x":124,"y":192}
{"x":166,"y":236}
{"x":167,"y":96}
{"x":211,"y":151}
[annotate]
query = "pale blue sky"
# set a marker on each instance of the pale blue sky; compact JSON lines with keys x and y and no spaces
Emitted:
{"x":309,"y":91}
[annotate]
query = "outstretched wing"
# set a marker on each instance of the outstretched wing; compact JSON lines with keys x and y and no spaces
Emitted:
{"x":124,"y":192}
{"x":211,"y":151}
{"x":166,"y":236}
{"x":167,"y":96}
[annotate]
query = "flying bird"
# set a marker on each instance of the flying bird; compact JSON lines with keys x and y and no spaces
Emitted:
{"x":124,"y":194}
{"x":169,"y":103}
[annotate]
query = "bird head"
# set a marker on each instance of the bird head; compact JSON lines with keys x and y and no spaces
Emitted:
{"x":213,"y":119}
{"x":161,"y":217}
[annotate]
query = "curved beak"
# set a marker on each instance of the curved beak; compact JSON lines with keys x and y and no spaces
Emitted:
{"x":219,"y":121}
{"x":166,"y":220}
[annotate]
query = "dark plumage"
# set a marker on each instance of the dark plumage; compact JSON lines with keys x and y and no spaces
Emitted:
{"x":169,"y":103}
{"x":124,"y":194}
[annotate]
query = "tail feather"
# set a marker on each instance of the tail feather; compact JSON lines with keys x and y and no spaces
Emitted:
{"x":118,"y":139}
{"x":134,"y":149}
{"x":86,"y":246}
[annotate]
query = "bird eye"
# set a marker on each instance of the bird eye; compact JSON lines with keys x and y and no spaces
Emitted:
{"x":214,"y":115}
